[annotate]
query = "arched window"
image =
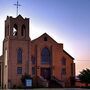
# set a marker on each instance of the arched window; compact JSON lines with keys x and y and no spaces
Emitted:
{"x":15,"y":28}
{"x":45,"y":56}
{"x":63,"y":61}
{"x":23,"y":30}
{"x":19,"y":56}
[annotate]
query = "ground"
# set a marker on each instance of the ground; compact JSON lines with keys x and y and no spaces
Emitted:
{"x":59,"y":89}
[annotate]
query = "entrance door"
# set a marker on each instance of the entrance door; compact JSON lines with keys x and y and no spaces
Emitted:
{"x":46,"y":73}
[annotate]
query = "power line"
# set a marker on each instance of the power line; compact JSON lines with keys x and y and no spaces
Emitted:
{"x":82,"y":60}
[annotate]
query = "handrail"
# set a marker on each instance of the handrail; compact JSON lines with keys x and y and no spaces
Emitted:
{"x":43,"y":82}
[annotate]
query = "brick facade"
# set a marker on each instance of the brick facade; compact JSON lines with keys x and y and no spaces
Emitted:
{"x":32,"y":55}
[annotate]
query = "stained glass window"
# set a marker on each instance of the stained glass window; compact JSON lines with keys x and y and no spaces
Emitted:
{"x":45,"y":56}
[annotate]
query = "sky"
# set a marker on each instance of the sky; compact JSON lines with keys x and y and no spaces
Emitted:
{"x":66,"y":21}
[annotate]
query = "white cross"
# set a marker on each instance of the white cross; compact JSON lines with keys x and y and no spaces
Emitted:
{"x":17,"y":6}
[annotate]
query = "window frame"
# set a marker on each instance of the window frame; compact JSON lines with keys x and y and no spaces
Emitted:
{"x":19,"y":55}
{"x":45,"y":56}
{"x":33,"y":71}
{"x":19,"y":70}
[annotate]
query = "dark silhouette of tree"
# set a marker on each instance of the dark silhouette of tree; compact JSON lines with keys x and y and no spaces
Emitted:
{"x":84,"y":76}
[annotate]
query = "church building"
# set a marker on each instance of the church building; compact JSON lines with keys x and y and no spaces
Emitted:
{"x":43,"y":58}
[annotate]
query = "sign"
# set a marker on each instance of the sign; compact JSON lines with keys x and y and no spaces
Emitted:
{"x":28,"y":82}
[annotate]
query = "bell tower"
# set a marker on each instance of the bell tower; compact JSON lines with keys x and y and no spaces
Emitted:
{"x":16,"y":50}
{"x":17,"y":28}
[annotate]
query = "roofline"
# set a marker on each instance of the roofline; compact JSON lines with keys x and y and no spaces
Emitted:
{"x":68,"y":54}
{"x":41,"y":36}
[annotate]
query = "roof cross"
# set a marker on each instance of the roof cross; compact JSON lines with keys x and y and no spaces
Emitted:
{"x":17,"y":7}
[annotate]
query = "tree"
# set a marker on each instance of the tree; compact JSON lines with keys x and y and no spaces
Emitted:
{"x":84,"y":76}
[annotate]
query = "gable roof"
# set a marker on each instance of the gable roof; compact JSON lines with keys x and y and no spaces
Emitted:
{"x":44,"y":35}
{"x":68,"y":54}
